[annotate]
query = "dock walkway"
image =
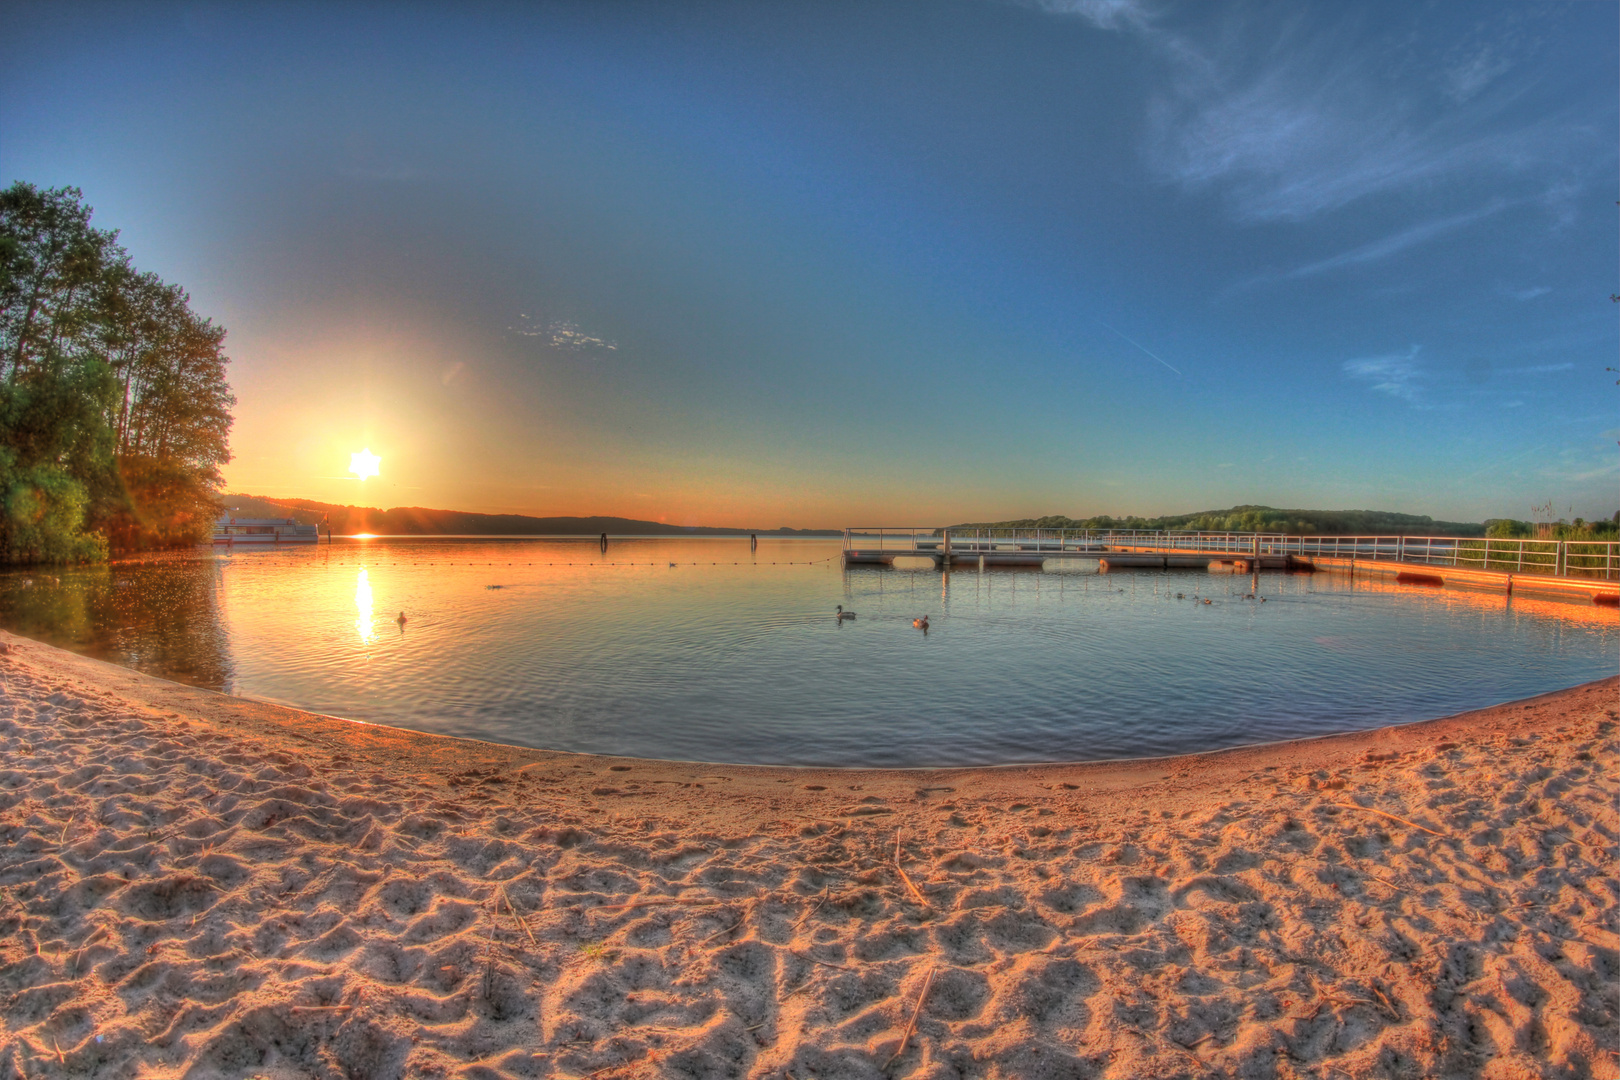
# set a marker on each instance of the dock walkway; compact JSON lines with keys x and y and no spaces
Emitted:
{"x":1571,"y":568}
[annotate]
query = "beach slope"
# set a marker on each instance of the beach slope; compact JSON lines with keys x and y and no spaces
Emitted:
{"x":194,"y":885}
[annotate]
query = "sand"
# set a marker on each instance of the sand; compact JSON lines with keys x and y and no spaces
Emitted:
{"x":196,"y":885}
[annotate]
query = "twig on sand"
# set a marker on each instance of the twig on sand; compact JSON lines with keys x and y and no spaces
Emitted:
{"x":1385,"y":882}
{"x":655,"y":902}
{"x":821,"y":900}
{"x":71,"y":819}
{"x":520,"y":919}
{"x":825,"y":963}
{"x":905,"y":1039}
{"x":719,"y":933}
{"x":915,"y":892}
{"x":1571,"y":839}
{"x":1392,"y":817}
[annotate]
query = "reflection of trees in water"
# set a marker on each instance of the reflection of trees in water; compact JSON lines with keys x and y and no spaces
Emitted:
{"x":160,"y":616}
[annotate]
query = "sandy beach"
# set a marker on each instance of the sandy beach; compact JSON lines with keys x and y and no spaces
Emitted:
{"x":194,"y":885}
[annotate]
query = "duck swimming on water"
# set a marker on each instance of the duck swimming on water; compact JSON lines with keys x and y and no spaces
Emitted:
{"x":842,"y":614}
{"x":920,"y":624}
{"x":402,"y":620}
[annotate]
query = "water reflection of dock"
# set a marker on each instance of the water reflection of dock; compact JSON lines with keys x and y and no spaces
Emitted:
{"x":1588,"y":570}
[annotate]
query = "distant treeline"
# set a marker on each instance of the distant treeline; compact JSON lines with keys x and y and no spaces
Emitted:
{"x":1258,"y":519}
{"x":114,"y":410}
{"x":1579,"y":529}
{"x":420,"y":521}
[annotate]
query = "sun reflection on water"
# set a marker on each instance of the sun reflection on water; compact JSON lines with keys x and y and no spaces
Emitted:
{"x":362,"y":601}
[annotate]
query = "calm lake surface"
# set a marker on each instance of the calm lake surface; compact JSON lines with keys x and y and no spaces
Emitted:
{"x":735,"y":656}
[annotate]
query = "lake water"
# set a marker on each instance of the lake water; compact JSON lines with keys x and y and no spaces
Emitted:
{"x":703,"y":650}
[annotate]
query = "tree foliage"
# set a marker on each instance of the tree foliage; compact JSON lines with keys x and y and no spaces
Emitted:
{"x":115,"y":413}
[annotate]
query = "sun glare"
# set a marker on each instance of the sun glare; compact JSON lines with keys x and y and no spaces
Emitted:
{"x":364,"y":463}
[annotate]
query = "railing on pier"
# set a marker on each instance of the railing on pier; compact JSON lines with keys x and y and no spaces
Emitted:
{"x":1598,"y":559}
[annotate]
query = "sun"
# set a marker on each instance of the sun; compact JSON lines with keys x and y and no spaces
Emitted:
{"x":364,"y":463}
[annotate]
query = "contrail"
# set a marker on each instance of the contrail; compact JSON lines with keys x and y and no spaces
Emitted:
{"x":1504,"y":463}
{"x":1161,"y":360}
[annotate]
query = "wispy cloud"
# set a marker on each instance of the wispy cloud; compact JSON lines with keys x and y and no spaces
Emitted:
{"x":1396,"y":374}
{"x":1540,"y":369}
{"x":1527,"y":294}
{"x":1288,"y":118}
{"x":1104,"y":14}
{"x":1313,"y":134}
{"x":1400,"y":241}
{"x":1472,"y":71}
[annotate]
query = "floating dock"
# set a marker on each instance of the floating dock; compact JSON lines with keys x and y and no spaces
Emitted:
{"x":1584,"y":570}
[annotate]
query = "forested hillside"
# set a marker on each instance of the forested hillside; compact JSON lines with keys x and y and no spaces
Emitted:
{"x":114,"y":409}
{"x":1258,"y":519}
{"x":422,"y":521}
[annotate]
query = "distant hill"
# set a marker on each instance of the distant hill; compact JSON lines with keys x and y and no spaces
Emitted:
{"x":1258,"y":519}
{"x":420,"y":521}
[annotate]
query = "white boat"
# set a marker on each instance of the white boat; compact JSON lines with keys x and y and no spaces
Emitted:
{"x":235,"y":530}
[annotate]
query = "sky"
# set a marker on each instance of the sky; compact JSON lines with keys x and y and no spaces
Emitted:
{"x":828,"y":264}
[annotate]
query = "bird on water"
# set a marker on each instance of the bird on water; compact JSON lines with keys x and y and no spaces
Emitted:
{"x":402,"y":620}
{"x":920,"y":624}
{"x":842,"y":614}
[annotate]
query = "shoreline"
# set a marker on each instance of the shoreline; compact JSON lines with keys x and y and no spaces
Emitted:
{"x":201,"y":885}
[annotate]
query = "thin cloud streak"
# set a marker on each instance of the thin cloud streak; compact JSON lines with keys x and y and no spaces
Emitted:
{"x":1161,"y":360}
{"x":1399,"y":242}
{"x":1540,"y":369}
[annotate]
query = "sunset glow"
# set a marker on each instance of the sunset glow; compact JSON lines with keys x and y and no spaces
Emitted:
{"x":1121,"y":258}
{"x":364,"y":463}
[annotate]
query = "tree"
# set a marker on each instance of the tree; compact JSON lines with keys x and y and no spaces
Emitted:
{"x":114,"y":407}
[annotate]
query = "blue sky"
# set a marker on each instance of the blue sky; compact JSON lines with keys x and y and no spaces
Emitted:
{"x":820,"y":264}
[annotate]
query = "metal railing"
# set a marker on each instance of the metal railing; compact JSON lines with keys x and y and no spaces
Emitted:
{"x":1598,"y":559}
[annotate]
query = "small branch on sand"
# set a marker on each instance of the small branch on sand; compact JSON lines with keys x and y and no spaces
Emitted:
{"x":719,"y":933}
{"x":825,"y":963}
{"x":825,"y":889}
{"x":915,"y":892}
{"x":905,"y":1039}
{"x":1571,"y":839}
{"x":520,"y":919}
{"x":1392,"y":817}
{"x":655,"y":902}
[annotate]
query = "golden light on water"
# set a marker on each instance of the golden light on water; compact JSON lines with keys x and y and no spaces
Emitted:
{"x":362,"y":601}
{"x":364,"y":463}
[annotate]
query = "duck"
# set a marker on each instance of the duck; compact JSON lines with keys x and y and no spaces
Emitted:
{"x":842,"y":614}
{"x":402,"y":620}
{"x":920,"y":624}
